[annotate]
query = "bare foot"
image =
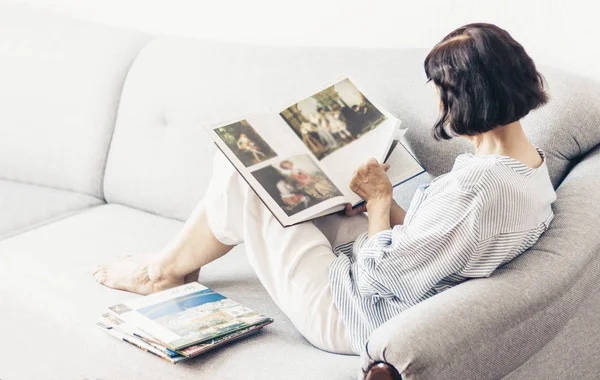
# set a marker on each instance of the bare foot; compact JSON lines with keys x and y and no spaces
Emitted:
{"x":139,"y":274}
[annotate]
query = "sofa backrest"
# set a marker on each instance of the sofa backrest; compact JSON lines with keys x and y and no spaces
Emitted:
{"x":568,"y":127}
{"x":60,"y":83}
{"x":160,"y":156}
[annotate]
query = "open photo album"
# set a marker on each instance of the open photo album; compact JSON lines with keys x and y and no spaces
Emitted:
{"x":300,"y":161}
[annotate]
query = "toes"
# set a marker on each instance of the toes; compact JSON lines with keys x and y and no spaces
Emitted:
{"x":100,"y":276}
{"x":98,"y":269}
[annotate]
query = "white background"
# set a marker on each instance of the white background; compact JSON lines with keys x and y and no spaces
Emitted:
{"x":564,"y":34}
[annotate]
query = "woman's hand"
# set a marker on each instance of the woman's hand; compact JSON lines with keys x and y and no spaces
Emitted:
{"x":396,"y":213}
{"x":370,"y":181}
{"x":371,"y":184}
{"x":356,"y":210}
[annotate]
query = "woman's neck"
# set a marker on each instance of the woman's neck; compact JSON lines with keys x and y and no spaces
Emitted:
{"x":507,"y":140}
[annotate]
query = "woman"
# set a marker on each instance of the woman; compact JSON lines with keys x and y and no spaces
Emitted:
{"x":290,"y":194}
{"x":246,"y":145}
{"x":338,"y":125}
{"x":306,"y":130}
{"x":314,"y":185}
{"x":287,"y":168}
{"x":320,"y":120}
{"x":490,"y":208}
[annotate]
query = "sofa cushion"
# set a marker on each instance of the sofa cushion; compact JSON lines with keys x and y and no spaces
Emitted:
{"x":49,"y":294}
{"x":486,"y":328}
{"x":24,"y":206}
{"x":60,"y":81}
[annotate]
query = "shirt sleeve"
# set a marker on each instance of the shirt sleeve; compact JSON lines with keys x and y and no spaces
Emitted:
{"x":408,"y":260}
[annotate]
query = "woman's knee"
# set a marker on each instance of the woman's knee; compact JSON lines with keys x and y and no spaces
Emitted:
{"x":335,"y":346}
{"x":327,"y":333}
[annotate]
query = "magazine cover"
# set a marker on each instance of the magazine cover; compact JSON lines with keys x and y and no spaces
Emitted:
{"x":187,"y":315}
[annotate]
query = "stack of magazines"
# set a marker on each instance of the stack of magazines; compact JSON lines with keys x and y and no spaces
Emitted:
{"x":181,"y":323}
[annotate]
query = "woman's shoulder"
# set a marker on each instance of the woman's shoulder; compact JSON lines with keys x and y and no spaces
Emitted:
{"x":466,"y":174}
{"x":494,"y":181}
{"x":485,"y":181}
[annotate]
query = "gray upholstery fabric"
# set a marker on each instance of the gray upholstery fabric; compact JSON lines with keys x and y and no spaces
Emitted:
{"x":485,"y":328}
{"x":24,"y":206}
{"x":50,"y":303}
{"x":574,"y":353}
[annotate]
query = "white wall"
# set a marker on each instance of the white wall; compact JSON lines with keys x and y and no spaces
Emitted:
{"x":565,"y":34}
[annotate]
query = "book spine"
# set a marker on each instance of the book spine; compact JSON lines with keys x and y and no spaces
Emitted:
{"x":148,"y":350}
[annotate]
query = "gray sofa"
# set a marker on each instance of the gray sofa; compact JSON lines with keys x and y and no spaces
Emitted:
{"x":102,"y":154}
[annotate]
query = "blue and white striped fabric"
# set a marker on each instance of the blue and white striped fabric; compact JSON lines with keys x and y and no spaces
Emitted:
{"x":464,"y":224}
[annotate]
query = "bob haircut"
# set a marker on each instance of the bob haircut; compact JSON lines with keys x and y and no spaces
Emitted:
{"x":485,"y":80}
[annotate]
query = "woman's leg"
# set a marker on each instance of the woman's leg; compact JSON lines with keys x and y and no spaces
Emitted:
{"x":292,"y":263}
{"x":193,"y":247}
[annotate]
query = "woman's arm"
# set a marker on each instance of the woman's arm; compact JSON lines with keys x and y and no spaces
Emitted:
{"x":372,"y":184}
{"x":397,"y":213}
{"x":378,"y":210}
{"x":442,"y":239}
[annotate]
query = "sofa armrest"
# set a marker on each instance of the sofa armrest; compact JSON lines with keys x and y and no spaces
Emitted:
{"x":485,"y":328}
{"x":381,"y":371}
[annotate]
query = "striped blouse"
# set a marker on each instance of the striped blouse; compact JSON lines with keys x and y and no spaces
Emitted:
{"x":464,"y":224}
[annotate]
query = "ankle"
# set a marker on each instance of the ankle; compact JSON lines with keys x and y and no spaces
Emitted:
{"x":166,"y":266}
{"x":157,"y":272}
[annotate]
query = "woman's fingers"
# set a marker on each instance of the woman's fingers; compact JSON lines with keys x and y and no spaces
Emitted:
{"x":349,"y":210}
{"x":370,"y":180}
{"x":360,"y":209}
{"x":372,"y":163}
{"x":356,"y":210}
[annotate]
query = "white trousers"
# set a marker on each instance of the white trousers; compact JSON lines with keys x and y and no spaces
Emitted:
{"x":292,"y":263}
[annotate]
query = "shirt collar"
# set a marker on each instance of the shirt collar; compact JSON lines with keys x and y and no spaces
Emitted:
{"x":468,"y":159}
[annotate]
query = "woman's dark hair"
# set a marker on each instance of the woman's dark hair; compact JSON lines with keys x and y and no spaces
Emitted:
{"x":485,"y":80}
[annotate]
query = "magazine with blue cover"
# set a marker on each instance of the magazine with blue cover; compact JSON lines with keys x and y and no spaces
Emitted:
{"x":187,"y":315}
